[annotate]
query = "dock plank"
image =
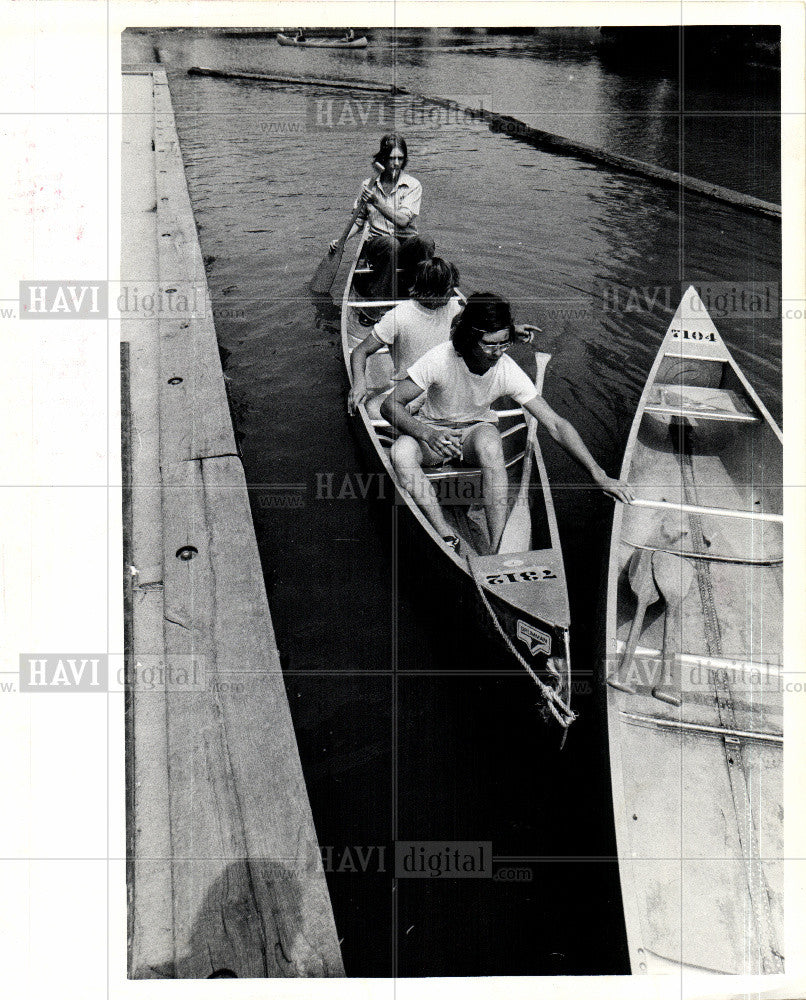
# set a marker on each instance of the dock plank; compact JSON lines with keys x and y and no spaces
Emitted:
{"x":225,"y":870}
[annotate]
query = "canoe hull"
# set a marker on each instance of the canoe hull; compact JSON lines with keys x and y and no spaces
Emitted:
{"x":422,"y":562}
{"x":520,"y":600}
{"x":697,"y":787}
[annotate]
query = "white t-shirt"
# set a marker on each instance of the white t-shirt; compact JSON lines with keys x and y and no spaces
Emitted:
{"x":454,"y":395}
{"x":410,"y":330}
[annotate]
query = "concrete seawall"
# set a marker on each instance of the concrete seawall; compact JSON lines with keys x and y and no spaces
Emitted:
{"x":224,"y":870}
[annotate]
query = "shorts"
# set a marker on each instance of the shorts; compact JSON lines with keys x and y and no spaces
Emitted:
{"x":431,"y":457}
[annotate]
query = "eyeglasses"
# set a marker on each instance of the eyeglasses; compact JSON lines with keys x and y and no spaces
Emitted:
{"x":500,"y":348}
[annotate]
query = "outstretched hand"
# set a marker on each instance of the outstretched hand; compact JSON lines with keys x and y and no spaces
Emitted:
{"x":525,"y":333}
{"x":619,"y":489}
{"x":357,"y":395}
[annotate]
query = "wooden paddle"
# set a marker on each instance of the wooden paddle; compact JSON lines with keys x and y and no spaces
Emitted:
{"x":639,"y":573}
{"x":673,"y":577}
{"x":322,"y":281}
{"x":517,"y":534}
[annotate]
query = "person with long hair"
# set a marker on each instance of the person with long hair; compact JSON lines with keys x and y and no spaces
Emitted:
{"x":391,"y":204}
{"x":459,"y":381}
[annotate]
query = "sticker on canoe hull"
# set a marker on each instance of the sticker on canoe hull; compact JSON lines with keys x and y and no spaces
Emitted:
{"x":534,"y":640}
{"x":529,"y":574}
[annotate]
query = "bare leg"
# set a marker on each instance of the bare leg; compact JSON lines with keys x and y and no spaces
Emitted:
{"x":483,"y":447}
{"x":407,"y":459}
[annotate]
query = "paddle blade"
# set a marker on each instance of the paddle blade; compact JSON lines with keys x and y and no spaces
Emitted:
{"x":673,"y":576}
{"x":517,"y":536}
{"x":322,"y":281}
{"x":639,"y":573}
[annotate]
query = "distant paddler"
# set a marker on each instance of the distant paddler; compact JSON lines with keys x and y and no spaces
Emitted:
{"x":391,"y":204}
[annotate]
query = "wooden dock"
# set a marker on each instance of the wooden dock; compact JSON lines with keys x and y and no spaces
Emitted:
{"x":224,"y":872}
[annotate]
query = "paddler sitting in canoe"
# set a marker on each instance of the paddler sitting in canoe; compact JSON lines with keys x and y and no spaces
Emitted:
{"x":460,"y":380}
{"x":391,"y":204}
{"x":410,"y":329}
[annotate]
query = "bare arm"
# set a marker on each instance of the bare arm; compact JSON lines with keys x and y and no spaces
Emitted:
{"x":358,"y":366}
{"x":402,"y":219}
{"x":566,"y":435}
{"x":356,"y":228}
{"x":393,"y":409}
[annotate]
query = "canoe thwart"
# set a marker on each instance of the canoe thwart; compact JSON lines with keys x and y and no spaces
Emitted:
{"x":710,"y":557}
{"x":716,"y":732}
{"x":710,"y":511}
{"x":678,"y":411}
{"x":452,"y":472}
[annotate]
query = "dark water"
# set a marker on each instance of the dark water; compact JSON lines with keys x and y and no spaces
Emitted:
{"x":410,"y":725}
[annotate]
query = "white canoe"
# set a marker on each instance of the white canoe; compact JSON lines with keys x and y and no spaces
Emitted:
{"x":698,"y":786}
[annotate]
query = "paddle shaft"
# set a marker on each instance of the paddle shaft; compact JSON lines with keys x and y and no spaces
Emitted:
{"x":640,"y":574}
{"x":326,"y":273}
{"x":517,"y":533}
{"x":673,"y":578}
{"x":667,"y":690}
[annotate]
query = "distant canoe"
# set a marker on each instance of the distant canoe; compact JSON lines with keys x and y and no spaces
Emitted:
{"x":324,"y":43}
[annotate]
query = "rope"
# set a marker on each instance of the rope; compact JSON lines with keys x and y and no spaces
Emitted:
{"x":564,"y":715}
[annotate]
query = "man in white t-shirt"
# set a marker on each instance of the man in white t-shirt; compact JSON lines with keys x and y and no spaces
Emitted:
{"x":460,"y":380}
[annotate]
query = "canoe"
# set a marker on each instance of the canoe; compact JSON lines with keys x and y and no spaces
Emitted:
{"x":522,"y":596}
{"x":694,"y":715}
{"x":323,"y":43}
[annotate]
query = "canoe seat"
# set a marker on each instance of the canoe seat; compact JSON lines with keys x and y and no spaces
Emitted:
{"x":700,"y":402}
{"x":435,"y":474}
{"x":443,"y":472}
